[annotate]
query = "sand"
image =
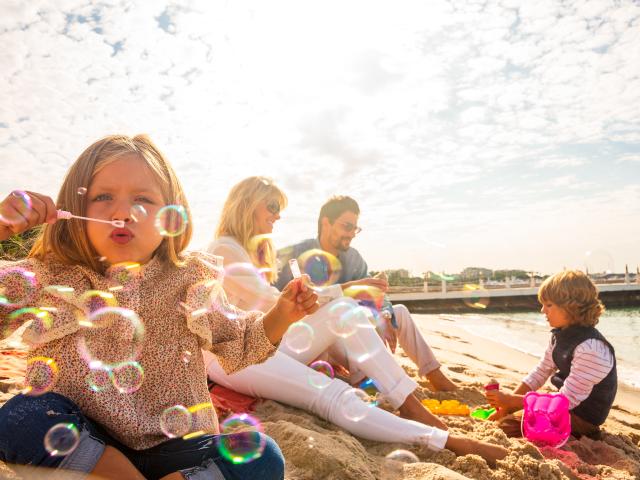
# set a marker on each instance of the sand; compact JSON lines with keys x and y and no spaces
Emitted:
{"x":315,"y":449}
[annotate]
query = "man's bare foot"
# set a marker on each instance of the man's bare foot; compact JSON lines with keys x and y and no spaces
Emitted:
{"x":440,"y":382}
{"x":414,"y":410}
{"x":463,"y":446}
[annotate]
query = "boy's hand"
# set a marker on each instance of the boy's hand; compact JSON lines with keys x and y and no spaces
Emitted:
{"x":503,"y":401}
{"x":297,"y":300}
{"x":20,"y":211}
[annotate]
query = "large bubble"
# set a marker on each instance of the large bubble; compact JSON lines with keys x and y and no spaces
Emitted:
{"x":40,"y":376}
{"x":367,"y":296}
{"x":171,"y":220}
{"x":246,"y":277}
{"x":241,"y":440}
{"x":175,"y":421}
{"x":322,"y":267}
{"x":61,"y":439}
{"x":109,"y":336}
{"x":299,"y":337}
{"x":17,"y":287}
{"x":322,"y":375}
{"x":394,"y":464}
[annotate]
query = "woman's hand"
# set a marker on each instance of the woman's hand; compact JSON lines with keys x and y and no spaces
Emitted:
{"x":20,"y":211}
{"x":297,"y":300}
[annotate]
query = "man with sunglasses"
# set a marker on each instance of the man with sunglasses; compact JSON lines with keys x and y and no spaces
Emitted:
{"x":337,"y":227}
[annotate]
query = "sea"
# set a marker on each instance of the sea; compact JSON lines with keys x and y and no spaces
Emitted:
{"x":529,"y":333}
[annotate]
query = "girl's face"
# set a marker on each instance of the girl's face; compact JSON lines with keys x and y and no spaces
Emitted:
{"x":113,"y":191}
{"x":267,"y":213}
{"x":556,"y":316}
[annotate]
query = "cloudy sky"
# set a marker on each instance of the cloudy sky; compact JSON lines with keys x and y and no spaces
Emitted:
{"x":500,"y":134}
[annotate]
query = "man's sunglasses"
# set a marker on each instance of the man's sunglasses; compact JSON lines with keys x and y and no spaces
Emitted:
{"x":350,"y":227}
{"x":273,"y":206}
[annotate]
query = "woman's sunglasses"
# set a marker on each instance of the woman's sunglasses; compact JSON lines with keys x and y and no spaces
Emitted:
{"x":273,"y":207}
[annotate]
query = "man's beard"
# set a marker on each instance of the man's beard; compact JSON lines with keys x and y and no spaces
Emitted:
{"x":344,"y":244}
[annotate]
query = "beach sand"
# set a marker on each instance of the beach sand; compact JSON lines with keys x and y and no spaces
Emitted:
{"x":315,"y":449}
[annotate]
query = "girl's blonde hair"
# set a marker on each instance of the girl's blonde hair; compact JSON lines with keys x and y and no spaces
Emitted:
{"x":68,"y":241}
{"x":237,"y":220}
{"x":574,"y":292}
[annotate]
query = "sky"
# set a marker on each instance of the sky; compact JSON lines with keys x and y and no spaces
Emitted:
{"x":497,"y":134}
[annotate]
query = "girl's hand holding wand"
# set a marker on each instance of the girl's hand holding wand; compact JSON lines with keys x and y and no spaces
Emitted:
{"x":20,"y":211}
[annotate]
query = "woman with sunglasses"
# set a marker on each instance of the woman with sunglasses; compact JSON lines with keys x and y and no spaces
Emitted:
{"x":243,"y":239}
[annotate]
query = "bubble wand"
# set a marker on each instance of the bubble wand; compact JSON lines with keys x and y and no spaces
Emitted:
{"x":64,"y":215}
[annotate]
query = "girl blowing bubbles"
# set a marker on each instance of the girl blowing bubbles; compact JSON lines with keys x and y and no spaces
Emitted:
{"x":579,"y":360}
{"x":122,"y":427}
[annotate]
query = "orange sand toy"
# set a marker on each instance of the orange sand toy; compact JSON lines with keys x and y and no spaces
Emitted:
{"x":446,"y":407}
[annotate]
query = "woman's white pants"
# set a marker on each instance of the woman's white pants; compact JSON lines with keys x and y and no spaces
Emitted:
{"x":285,"y":378}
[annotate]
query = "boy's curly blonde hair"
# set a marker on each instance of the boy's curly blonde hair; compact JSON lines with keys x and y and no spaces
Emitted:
{"x":574,"y":292}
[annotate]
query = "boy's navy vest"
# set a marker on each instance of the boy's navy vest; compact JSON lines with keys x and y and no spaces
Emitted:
{"x":595,"y":408}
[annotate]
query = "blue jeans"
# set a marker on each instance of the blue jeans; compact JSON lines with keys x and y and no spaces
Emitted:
{"x":25,"y":420}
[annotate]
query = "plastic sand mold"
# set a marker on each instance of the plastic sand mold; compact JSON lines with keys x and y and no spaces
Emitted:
{"x":546,"y":420}
{"x":446,"y":407}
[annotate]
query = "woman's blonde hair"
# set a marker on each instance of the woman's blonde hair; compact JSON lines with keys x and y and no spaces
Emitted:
{"x":68,"y":241}
{"x":237,"y":220}
{"x":575,"y":293}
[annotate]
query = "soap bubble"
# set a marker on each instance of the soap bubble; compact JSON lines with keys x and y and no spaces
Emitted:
{"x":41,"y":322}
{"x":355,"y":404}
{"x":598,"y":262}
{"x":403,"y":456}
{"x":60,"y":291}
{"x":127,"y":377}
{"x":322,"y":267}
{"x":241,"y":440}
{"x":40,"y":376}
{"x":124,"y":275}
{"x":98,"y":379}
{"x":61,"y":439}
{"x":81,"y":190}
{"x":325,"y":373}
{"x":475,"y":297}
{"x":19,"y":210}
{"x":110,"y":335}
{"x":344,"y":318}
{"x":252,"y":279}
{"x":171,"y":220}
{"x":17,"y":286}
{"x":175,"y":421}
{"x":93,"y":300}
{"x":138,"y":213}
{"x":299,"y":337}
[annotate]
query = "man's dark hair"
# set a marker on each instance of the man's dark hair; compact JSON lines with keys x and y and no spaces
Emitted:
{"x":336,"y":206}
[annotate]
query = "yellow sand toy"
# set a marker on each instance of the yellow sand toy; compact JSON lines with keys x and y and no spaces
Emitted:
{"x":446,"y":407}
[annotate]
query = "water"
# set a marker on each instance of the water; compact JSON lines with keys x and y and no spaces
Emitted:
{"x":529,"y":333}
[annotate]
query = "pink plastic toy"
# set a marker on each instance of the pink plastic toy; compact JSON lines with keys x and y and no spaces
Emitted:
{"x":546,"y":420}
